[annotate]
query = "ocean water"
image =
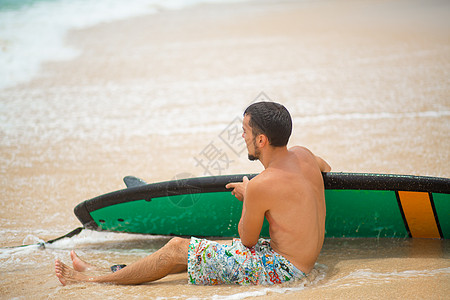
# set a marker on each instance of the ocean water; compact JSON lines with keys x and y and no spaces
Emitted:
{"x":33,"y":31}
{"x":92,"y":91}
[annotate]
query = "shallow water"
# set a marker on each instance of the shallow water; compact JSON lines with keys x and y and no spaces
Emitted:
{"x":344,"y":266}
{"x":366,"y":82}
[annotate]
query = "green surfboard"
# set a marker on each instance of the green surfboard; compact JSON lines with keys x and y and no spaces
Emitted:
{"x":358,"y":205}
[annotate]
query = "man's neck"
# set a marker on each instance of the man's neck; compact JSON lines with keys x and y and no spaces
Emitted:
{"x":271,"y":155}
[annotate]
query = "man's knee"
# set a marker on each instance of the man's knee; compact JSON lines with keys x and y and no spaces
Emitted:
{"x":177,"y":250}
{"x":179,"y":245}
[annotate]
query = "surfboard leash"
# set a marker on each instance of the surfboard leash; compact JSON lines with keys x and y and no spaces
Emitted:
{"x":74,"y":232}
{"x":41,"y":245}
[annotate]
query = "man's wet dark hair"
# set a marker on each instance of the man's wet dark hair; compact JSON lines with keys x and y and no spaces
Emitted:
{"x":271,"y":119}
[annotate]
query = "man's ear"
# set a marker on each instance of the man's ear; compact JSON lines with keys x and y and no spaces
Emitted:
{"x":262,"y":140}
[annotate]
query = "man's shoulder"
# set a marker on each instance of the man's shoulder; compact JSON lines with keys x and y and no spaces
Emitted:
{"x":260,"y":180}
{"x":300,"y":150}
{"x":265,"y":176}
{"x":263,"y":181}
{"x":267,"y":181}
{"x":303,"y":154}
{"x":262,"y":189}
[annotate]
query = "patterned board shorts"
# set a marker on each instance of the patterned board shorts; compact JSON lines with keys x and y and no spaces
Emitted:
{"x":211,"y":263}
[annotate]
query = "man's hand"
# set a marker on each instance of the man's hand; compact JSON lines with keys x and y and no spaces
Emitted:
{"x":239,"y":188}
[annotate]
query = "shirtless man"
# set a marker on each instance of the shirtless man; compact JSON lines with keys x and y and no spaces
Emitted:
{"x":289,"y":193}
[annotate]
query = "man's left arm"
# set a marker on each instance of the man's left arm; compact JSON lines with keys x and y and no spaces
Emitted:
{"x":252,"y":218}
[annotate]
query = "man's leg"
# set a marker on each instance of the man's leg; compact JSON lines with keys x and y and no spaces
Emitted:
{"x":172,"y":258}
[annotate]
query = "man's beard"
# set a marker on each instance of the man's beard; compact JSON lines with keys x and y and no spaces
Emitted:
{"x":252,"y":157}
{"x":257,"y":153}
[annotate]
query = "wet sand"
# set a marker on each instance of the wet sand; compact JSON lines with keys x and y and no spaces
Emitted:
{"x":366,"y":82}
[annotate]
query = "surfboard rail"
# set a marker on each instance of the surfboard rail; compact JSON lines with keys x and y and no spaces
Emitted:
{"x":358,"y":205}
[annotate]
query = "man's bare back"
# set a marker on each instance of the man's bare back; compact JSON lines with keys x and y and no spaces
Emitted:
{"x":296,"y":211}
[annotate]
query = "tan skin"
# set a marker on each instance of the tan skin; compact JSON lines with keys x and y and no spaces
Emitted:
{"x":289,"y":193}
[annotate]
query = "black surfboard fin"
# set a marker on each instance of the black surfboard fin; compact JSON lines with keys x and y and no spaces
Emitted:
{"x":133,"y":181}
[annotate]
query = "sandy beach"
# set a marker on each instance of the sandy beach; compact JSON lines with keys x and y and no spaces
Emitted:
{"x":367,"y":85}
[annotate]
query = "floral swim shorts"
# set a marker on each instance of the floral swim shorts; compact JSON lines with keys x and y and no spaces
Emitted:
{"x":211,"y":263}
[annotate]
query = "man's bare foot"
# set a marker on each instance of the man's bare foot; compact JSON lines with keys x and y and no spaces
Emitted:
{"x":80,"y":265}
{"x":67,"y":275}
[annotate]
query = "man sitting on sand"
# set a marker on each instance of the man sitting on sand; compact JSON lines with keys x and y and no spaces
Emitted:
{"x":289,"y":193}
